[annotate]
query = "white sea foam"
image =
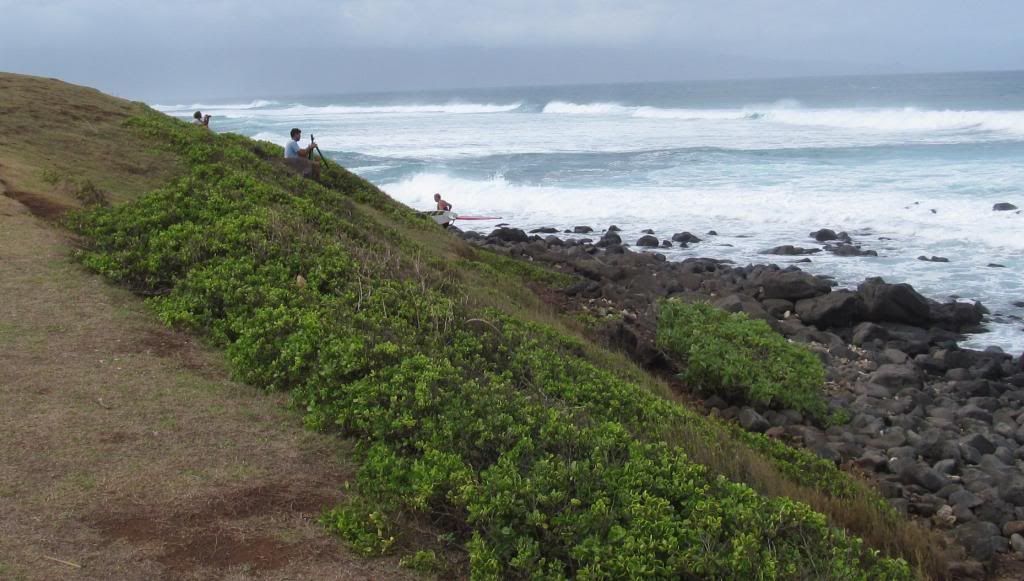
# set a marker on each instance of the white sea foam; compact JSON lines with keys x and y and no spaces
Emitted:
{"x":561,"y":107}
{"x":256,"y":104}
{"x":906,"y":119}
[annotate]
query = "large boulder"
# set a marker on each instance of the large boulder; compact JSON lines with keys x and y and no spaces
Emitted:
{"x":957,"y":315}
{"x":793,"y":285}
{"x":898,"y":303}
{"x":837,"y":309}
{"x":648,"y":241}
{"x":684,"y":237}
{"x":824,"y":235}
{"x":508,"y":235}
{"x":610,"y":238}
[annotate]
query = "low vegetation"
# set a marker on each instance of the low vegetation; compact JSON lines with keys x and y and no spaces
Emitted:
{"x":539,"y":459}
{"x":740,"y":359}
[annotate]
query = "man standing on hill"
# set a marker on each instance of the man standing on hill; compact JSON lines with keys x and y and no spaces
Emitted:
{"x":301,"y":158}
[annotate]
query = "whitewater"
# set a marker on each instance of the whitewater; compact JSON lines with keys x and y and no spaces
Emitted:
{"x":909,"y":165}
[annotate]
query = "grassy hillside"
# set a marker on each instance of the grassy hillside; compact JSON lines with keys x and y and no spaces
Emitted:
{"x":477,"y":408}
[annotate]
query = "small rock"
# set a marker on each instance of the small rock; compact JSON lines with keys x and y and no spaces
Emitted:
{"x":648,"y":241}
{"x":1017,"y":542}
{"x":944,"y":517}
{"x":933,"y":259}
{"x":583,"y":230}
{"x":790,"y":250}
{"x":1003,"y":207}
{"x":1013,"y":527}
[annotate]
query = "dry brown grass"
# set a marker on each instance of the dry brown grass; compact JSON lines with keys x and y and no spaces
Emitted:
{"x":54,"y":136}
{"x":126,"y":451}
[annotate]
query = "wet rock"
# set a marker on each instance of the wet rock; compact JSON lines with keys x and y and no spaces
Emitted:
{"x":790,"y":250}
{"x":712,"y":233}
{"x":685,"y":238}
{"x":850,"y":250}
{"x":544,"y":230}
{"x":647,"y":231}
{"x":553,"y":241}
{"x":898,"y":303}
{"x":648,"y":241}
{"x":666,"y":244}
{"x":824,"y":235}
{"x":614,"y":228}
{"x":1003,"y":207}
{"x":609,"y":239}
{"x":584,"y":229}
{"x":508,"y":235}
{"x":793,"y":286}
{"x":837,"y":309}
{"x":933,"y":259}
{"x":957,"y":315}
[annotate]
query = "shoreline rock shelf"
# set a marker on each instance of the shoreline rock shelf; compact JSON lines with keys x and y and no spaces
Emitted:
{"x":940,"y":428}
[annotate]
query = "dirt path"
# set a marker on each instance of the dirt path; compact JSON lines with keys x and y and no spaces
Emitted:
{"x":127,"y":453}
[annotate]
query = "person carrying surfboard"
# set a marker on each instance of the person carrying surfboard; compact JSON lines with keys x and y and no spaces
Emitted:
{"x":442,"y":206}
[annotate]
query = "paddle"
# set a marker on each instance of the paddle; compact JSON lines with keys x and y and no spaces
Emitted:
{"x":312,"y":143}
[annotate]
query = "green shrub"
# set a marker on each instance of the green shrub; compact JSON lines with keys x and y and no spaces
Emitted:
{"x":739,"y":358}
{"x":422,"y":561}
{"x":540,"y":462}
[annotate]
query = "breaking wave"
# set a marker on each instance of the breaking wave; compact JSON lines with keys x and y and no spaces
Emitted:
{"x":906,"y":119}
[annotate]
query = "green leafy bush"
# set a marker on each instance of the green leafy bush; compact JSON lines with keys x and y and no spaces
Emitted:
{"x":540,"y":462}
{"x":739,"y":358}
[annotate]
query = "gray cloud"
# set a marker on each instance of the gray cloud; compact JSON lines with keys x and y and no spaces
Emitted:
{"x":157,"y":49}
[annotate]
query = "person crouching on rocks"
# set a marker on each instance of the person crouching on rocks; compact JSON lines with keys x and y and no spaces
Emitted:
{"x":442,"y":206}
{"x":301,"y":158}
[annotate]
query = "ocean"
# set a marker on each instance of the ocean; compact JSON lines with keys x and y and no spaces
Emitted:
{"x":908,"y":165}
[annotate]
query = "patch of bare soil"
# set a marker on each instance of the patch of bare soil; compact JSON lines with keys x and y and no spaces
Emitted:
{"x":39,"y":205}
{"x":211,"y":533}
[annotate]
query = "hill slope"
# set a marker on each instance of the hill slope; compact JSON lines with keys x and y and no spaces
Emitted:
{"x":478,"y":409}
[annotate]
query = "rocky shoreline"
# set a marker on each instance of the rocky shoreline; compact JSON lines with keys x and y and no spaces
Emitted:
{"x":938,"y":427}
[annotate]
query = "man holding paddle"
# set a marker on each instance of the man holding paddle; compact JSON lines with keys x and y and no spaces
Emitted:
{"x":301,"y":158}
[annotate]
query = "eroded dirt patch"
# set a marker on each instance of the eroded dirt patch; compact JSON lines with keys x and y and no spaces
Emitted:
{"x":40,"y":206}
{"x":211,"y":533}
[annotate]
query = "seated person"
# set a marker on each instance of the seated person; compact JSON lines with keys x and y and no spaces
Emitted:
{"x":199,"y":119}
{"x":301,"y":158}
{"x":442,"y":205}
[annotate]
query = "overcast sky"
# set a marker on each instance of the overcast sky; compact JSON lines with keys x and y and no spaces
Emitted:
{"x":194,"y":49}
